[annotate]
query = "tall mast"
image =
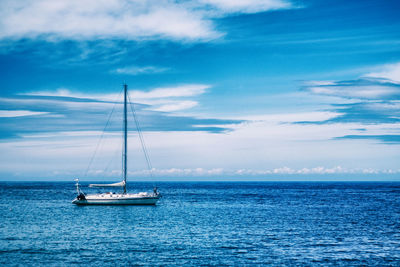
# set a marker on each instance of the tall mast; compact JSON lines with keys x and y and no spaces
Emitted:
{"x":125,"y":155}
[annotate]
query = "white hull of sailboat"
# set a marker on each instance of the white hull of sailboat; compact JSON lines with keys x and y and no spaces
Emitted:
{"x":119,"y":199}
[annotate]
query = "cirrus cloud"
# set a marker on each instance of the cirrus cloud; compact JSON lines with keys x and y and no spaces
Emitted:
{"x":381,"y":84}
{"x":363,"y":88}
{"x":136,"y":70}
{"x":376,"y":101}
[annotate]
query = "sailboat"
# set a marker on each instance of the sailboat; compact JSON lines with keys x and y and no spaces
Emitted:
{"x":123,"y":198}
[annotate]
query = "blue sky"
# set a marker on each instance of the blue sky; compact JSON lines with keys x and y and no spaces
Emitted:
{"x":246,"y":90}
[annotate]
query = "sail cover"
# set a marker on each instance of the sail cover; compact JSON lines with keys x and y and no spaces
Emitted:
{"x":120,"y":184}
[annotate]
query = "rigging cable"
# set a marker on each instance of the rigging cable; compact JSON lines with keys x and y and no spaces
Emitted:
{"x":102,"y":135}
{"x":144,"y":148}
{"x":116,"y":152}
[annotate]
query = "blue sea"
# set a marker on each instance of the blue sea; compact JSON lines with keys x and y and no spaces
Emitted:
{"x":205,"y":223}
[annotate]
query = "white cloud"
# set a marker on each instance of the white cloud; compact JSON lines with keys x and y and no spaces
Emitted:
{"x":356,"y":90}
{"x":221,"y":172}
{"x":319,"y":83}
{"x":246,"y":173}
{"x":175,"y":106}
{"x":63,"y":92}
{"x":293,"y":117}
{"x":181,"y":172}
{"x":170,"y":99}
{"x":315,"y":170}
{"x":135,"y":70}
{"x":19,"y":113}
{"x":131,"y":20}
{"x":166,"y":92}
{"x":247,"y":6}
{"x":389,"y":71}
{"x":74,"y":19}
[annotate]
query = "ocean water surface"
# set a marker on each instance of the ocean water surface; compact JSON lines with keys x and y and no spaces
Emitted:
{"x":205,"y":223}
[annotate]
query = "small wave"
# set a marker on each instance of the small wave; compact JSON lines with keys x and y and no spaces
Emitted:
{"x":11,"y":238}
{"x":228,"y":247}
{"x":241,"y":251}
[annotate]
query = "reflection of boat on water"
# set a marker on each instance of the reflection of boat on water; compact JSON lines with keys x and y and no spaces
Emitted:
{"x":123,"y":198}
